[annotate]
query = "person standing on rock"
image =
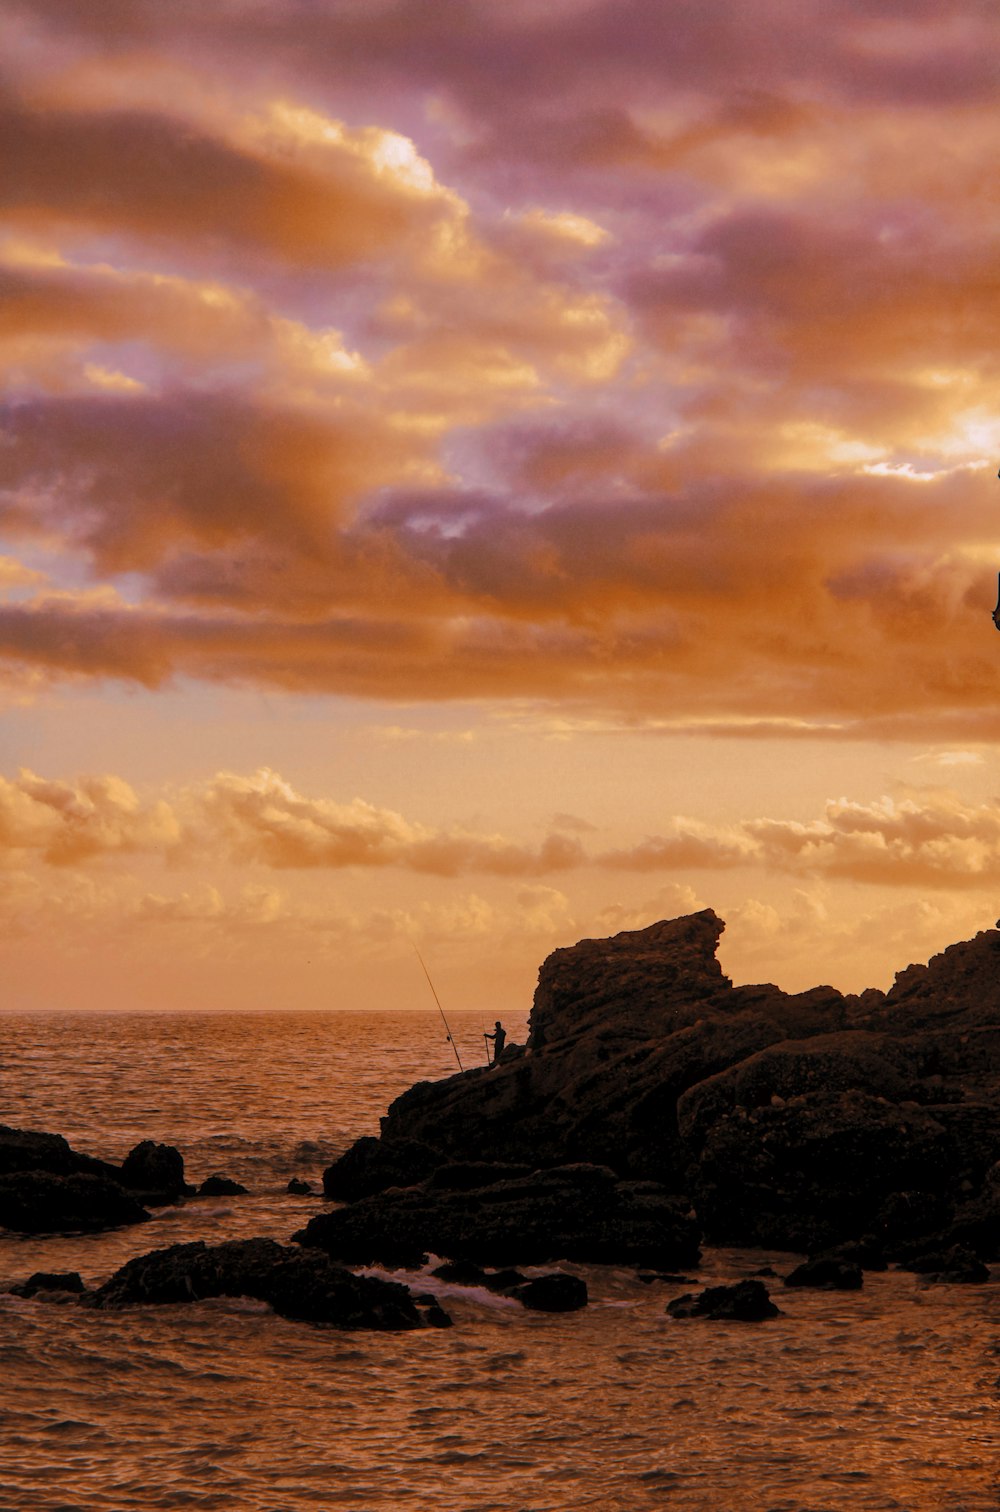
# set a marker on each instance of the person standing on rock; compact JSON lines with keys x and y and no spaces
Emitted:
{"x":499,"y":1038}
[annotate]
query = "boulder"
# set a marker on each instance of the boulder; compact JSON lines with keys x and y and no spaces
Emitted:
{"x":827,"y":1273}
{"x":300,"y":1284}
{"x":578,"y":1212}
{"x":745,"y":1302}
{"x":299,"y":1188}
{"x":155,"y":1172}
{"x":221,"y":1186}
{"x":35,"y":1202}
{"x":553,"y":1293}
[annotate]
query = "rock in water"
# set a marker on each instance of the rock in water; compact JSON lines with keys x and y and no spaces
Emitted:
{"x":301,"y":1284}
{"x":35,"y":1202}
{"x":58,"y":1282}
{"x":155,"y":1172}
{"x":578,"y":1212}
{"x":800,"y":1121}
{"x":746,"y":1302}
{"x":827,"y":1273}
{"x":31,"y":1150}
{"x":221,"y":1186}
{"x":554,"y":1293}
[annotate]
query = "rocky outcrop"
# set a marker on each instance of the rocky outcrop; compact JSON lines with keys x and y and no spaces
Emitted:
{"x":31,"y":1150}
{"x":579,"y":1212}
{"x":797,"y":1121}
{"x":36,"y":1202}
{"x":301,"y":1284}
{"x":48,"y":1187}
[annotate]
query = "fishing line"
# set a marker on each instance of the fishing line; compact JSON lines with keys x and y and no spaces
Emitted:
{"x":440,"y":1009}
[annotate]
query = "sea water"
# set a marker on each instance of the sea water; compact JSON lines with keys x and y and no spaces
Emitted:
{"x":859,"y":1402}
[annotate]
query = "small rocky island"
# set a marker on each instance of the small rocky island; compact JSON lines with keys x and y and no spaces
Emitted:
{"x":655,"y":1107}
{"x":743,"y":1115}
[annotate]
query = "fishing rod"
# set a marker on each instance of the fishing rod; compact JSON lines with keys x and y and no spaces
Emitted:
{"x":440,"y":1009}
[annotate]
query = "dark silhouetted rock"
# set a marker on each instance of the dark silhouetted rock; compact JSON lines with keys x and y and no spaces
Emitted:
{"x":301,"y":1284}
{"x":827,"y":1273}
{"x":815,"y":1171}
{"x":791,"y":1121}
{"x":35,"y":1202}
{"x":31,"y":1150}
{"x":555,"y":1293}
{"x":866,"y":1252}
{"x":299,"y":1188}
{"x":50,"y":1281}
{"x":155,"y":1172}
{"x":221,"y":1186}
{"x":371,"y":1165}
{"x":957,"y":1264}
{"x":465,"y":1273}
{"x":745,"y":1302}
{"x":579,"y":1212}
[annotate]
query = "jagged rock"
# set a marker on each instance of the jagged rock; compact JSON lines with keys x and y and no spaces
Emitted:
{"x":827,"y":1273}
{"x":57,"y":1282}
{"x":745,"y":1302}
{"x":36,"y":1202}
{"x":553,"y":1293}
{"x":301,"y":1284}
{"x":797,"y":1121}
{"x":578,"y":1212}
{"x":221,"y":1186}
{"x":299,"y":1188}
{"x":155,"y":1172}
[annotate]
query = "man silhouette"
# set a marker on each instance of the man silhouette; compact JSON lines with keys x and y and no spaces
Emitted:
{"x":499,"y":1038}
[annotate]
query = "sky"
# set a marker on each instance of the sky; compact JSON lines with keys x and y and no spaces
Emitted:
{"x":480,"y":476}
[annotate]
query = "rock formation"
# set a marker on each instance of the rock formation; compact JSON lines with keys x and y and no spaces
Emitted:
{"x":302,"y":1284}
{"x":48,"y":1187}
{"x":797,"y":1121}
{"x":578,"y":1212}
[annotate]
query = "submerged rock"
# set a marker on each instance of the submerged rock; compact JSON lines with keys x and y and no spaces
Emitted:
{"x":36,"y":1202}
{"x":745,"y":1302}
{"x":55,"y":1282}
{"x":577,"y":1212}
{"x":301,"y":1284}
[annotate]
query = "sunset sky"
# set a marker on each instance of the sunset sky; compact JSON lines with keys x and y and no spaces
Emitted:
{"x":484,"y":475}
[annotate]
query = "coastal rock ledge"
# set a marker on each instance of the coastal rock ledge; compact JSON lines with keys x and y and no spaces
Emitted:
{"x":795,"y":1121}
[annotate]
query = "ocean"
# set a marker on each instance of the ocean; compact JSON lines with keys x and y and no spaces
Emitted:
{"x":859,"y":1402}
